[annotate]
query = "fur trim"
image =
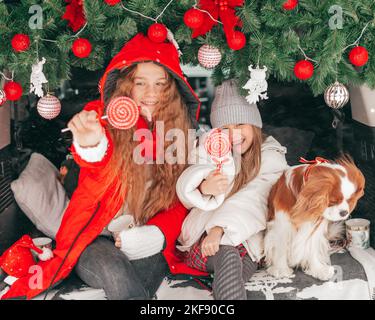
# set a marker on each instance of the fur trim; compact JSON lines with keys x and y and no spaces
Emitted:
{"x":46,"y":255}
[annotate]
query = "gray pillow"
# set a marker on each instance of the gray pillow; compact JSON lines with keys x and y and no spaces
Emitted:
{"x":40,"y":195}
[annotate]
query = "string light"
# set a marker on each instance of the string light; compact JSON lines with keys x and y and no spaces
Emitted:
{"x":212,"y":18}
{"x":195,"y":6}
{"x":351,"y":45}
{"x":5,"y":77}
{"x":85,"y":25}
{"x":83,"y":28}
{"x":306,"y":57}
{"x":37,"y":49}
{"x":259,"y":53}
{"x":147,"y":17}
{"x":73,"y":36}
{"x":355,"y":43}
{"x":162,"y":12}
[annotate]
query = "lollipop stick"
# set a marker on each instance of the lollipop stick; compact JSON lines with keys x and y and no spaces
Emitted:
{"x":67,"y":129}
{"x":218,"y":168}
{"x":122,"y":113}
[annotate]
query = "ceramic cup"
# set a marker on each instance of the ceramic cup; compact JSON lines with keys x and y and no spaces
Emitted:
{"x":123,"y":222}
{"x":358,"y":233}
{"x":42,"y":242}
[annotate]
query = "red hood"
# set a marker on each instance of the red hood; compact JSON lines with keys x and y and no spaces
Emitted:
{"x":141,"y":49}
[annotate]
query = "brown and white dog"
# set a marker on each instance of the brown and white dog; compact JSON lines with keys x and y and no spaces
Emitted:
{"x":302,"y":204}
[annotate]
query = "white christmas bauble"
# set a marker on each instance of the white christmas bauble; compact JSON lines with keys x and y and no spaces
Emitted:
{"x":208,"y":56}
{"x":336,"y":95}
{"x":49,"y":107}
{"x":3,"y":97}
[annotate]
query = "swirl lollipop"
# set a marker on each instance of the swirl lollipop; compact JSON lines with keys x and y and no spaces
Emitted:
{"x":122,"y":113}
{"x":218,"y":146}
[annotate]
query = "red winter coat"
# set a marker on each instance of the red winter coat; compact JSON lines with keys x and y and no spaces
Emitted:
{"x":87,"y":213}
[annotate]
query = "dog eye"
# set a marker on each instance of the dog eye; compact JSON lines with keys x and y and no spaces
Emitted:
{"x":332,"y":203}
{"x":335,"y":201}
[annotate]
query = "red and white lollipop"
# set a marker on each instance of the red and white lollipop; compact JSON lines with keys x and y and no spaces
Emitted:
{"x":122,"y":113}
{"x":218,"y":146}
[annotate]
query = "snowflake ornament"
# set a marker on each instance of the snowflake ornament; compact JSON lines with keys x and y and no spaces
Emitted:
{"x":263,"y":282}
{"x":257,"y":84}
{"x":37,"y":78}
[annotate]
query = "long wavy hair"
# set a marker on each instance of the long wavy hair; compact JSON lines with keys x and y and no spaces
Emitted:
{"x":147,"y":188}
{"x":250,"y":162}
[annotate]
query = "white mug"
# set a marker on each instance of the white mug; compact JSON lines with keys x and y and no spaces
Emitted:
{"x":358,"y":233}
{"x":123,"y":222}
{"x":41,"y":242}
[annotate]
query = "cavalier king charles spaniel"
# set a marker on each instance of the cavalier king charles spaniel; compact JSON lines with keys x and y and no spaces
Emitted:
{"x":303,"y":204}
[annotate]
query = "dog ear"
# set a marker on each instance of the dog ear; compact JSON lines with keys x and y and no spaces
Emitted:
{"x":353,"y":172}
{"x":311,"y":202}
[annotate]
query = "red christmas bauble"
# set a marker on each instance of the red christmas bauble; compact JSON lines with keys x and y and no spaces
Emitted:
{"x":193,"y":18}
{"x":237,"y":41}
{"x":20,"y":42}
{"x":3,"y":97}
{"x":112,"y":2}
{"x":358,"y":56}
{"x":304,"y":69}
{"x":290,"y":4}
{"x":81,"y":48}
{"x":157,"y":32}
{"x":13,"y":90}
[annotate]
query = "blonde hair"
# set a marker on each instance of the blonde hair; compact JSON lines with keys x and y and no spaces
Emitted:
{"x":250,"y":162}
{"x":132,"y":178}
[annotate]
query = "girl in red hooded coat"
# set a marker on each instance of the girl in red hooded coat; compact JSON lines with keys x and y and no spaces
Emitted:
{"x":112,"y":183}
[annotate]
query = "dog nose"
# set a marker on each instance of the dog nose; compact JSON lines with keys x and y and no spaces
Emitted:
{"x":343,"y":213}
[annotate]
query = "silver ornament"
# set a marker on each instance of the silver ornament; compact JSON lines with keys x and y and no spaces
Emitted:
{"x":336,"y":95}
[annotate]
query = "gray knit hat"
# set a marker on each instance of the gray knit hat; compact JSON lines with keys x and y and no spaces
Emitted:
{"x":229,"y":107}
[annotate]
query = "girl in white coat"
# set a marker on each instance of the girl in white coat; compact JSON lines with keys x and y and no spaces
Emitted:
{"x":223,"y":233}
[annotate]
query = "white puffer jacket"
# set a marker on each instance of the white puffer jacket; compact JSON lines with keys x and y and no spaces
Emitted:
{"x":243,"y":215}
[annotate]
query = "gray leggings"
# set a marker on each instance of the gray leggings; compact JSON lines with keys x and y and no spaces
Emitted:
{"x":231,"y":272}
{"x":103,"y":266}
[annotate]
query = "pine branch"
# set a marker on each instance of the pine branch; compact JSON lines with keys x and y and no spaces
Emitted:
{"x":273,"y":36}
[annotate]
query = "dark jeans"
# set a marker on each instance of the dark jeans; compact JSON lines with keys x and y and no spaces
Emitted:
{"x":103,"y":266}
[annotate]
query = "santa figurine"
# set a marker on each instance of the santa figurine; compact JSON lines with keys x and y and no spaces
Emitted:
{"x":37,"y":78}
